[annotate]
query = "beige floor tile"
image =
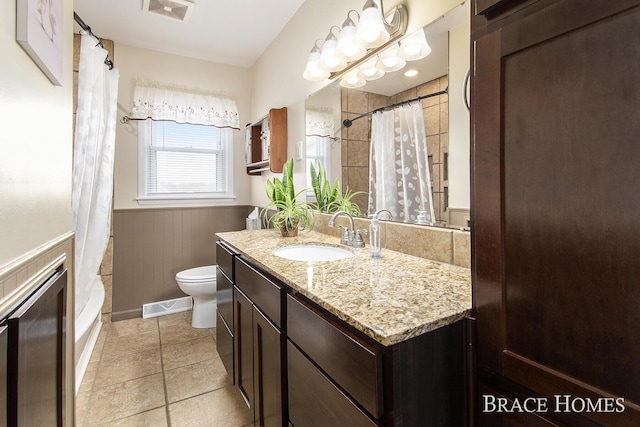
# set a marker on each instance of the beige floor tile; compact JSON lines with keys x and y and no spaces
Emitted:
{"x":154,"y":418}
{"x":176,"y":328}
{"x":187,"y":353}
{"x":131,"y":326}
{"x":87,"y":381}
{"x":192,"y":380}
{"x":129,"y":366}
{"x":220,"y":408}
{"x":117,"y":345}
{"x":121,"y":400}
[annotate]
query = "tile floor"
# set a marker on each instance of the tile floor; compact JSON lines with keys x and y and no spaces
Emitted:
{"x":158,"y":372}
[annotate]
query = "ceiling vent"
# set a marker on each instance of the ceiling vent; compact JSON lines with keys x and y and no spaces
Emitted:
{"x":176,"y":9}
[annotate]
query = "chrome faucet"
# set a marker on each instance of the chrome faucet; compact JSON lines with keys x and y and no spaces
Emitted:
{"x":350,"y":236}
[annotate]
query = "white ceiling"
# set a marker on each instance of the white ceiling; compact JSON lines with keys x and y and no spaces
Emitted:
{"x":233,"y":32}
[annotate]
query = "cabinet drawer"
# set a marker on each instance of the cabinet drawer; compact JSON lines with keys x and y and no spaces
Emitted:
{"x":350,"y":362}
{"x":224,"y":296}
{"x":316,"y":401}
{"x":224,"y":259}
{"x":224,"y":344}
{"x":265,"y":294}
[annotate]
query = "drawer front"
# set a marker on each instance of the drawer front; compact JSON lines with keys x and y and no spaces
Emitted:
{"x":224,"y":344}
{"x":224,"y":259}
{"x":351,"y":363}
{"x":264,"y":293}
{"x":314,"y":401}
{"x":224,"y":297}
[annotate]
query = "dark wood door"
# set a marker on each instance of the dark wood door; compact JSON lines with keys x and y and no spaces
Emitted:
{"x":268,"y":346}
{"x":243,"y":346}
{"x":556,"y":211}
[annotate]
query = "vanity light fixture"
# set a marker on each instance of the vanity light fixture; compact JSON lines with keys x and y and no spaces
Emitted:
{"x":414,"y":47}
{"x":329,"y":58}
{"x":411,"y":73}
{"x":390,"y":60}
{"x":313,"y":72}
{"x":352,"y":79}
{"x":344,"y":53}
{"x":347,"y":47}
{"x":371,"y":30}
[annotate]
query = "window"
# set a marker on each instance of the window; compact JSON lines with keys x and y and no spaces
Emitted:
{"x":183,"y":162}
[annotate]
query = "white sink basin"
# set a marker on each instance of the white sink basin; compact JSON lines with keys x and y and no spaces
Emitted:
{"x":313,"y":252}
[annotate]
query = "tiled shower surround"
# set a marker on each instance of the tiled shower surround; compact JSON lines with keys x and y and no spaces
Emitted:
{"x":355,"y":139}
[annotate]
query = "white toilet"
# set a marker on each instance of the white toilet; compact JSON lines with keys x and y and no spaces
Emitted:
{"x":200,"y":283}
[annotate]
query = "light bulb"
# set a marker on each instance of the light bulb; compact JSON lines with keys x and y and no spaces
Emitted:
{"x":371,"y":31}
{"x":328,"y":58}
{"x":312,"y":71}
{"x":414,"y":47}
{"x":389,"y":59}
{"x":347,"y":49}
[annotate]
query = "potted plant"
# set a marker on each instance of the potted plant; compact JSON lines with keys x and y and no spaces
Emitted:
{"x":325,"y":194}
{"x":331,"y":199}
{"x":291,"y":214}
{"x":344,"y":202}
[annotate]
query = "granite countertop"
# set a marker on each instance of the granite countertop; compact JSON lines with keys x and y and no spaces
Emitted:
{"x":390,"y":299}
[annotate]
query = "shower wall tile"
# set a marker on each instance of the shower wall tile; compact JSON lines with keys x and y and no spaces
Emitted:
{"x":358,"y":153}
{"x":357,"y":102}
{"x":444,"y":116}
{"x":107,"y":306}
{"x":376,"y":101}
{"x":432,"y":120}
{"x":106,"y":268}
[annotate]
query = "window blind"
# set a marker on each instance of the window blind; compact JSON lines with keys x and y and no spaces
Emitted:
{"x":186,"y":158}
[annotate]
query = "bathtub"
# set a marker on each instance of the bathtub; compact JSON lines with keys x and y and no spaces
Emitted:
{"x":87,"y":327}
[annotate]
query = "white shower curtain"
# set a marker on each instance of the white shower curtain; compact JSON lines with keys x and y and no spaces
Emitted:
{"x":93,"y":164}
{"x":399,"y":178}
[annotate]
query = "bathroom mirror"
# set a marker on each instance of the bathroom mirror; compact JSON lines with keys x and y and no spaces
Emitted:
{"x":345,"y":150}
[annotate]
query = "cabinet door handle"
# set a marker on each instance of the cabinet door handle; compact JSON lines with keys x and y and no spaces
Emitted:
{"x":260,"y":391}
{"x":465,"y":86}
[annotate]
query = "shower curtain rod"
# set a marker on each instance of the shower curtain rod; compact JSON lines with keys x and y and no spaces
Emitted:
{"x":348,"y":122}
{"x":107,"y":61}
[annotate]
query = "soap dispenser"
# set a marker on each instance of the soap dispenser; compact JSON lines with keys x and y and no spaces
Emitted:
{"x":375,"y":234}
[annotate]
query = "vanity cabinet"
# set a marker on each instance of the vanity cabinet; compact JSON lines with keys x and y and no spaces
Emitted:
{"x":259,"y":344}
{"x":224,"y":296}
{"x":322,"y":364}
{"x":266,"y":143}
{"x":555,"y":209}
{"x":338,"y":376}
{"x":300,"y":365}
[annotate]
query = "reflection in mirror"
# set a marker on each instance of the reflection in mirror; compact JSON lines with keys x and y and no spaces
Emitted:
{"x":345,"y":151}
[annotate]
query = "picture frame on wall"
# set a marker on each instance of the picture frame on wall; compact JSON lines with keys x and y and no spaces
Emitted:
{"x":39,"y":30}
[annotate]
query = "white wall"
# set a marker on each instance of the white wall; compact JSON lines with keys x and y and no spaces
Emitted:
{"x":459,"y":160}
{"x":136,"y":63}
{"x":36,"y":132}
{"x":277,"y":75}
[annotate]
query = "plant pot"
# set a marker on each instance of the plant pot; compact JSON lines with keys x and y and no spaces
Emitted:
{"x":284,"y":232}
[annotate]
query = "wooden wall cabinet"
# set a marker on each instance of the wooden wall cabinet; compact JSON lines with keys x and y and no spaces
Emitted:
{"x":266,"y":143}
{"x":35,"y":358}
{"x":555,"y":127}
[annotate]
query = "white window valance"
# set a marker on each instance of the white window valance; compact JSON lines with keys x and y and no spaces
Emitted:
{"x":156,"y":101}
{"x":319,"y":121}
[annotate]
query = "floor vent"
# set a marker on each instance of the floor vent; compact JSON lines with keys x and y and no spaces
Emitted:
{"x":176,"y":9}
{"x":161,"y":308}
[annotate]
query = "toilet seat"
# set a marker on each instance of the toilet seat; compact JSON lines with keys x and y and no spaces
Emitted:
{"x":197,"y":274}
